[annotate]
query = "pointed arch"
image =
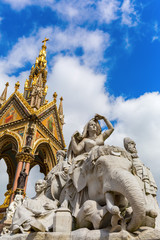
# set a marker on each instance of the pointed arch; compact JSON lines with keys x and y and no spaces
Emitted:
{"x":10,"y":144}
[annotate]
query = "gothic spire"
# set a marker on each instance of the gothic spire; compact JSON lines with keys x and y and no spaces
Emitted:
{"x":35,"y":88}
{"x":60,"y":112}
{"x":4,"y":95}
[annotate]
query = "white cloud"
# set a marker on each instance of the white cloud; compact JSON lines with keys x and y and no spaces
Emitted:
{"x":139,"y":119}
{"x":129,"y":15}
{"x":82,"y":90}
{"x":127,"y":42}
{"x":156,"y":30}
{"x":108,"y":10}
{"x":19,"y":4}
{"x":103,"y":11}
{"x":93,"y":43}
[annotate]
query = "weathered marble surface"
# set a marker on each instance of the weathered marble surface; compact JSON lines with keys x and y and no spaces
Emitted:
{"x":86,"y":234}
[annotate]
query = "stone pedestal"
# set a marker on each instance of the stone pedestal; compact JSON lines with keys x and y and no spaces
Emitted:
{"x":62,"y":221}
{"x":84,"y":233}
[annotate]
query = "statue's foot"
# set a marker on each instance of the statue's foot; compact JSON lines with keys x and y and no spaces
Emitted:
{"x":151,"y":213}
{"x":26,"y":227}
{"x":21,"y":229}
{"x":37,"y":226}
{"x":17,"y":229}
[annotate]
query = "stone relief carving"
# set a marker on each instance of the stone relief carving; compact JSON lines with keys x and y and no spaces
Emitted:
{"x":99,"y":187}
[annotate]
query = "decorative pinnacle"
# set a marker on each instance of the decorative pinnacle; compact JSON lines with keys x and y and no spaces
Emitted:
{"x":55,"y":96}
{"x":45,"y":90}
{"x":17,"y":86}
{"x":7,"y":84}
{"x":61,"y":99}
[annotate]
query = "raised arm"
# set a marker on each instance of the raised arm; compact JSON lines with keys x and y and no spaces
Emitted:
{"x":110,"y":129}
{"x":77,"y":148}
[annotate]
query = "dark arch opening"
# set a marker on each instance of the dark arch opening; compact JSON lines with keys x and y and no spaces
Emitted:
{"x":44,"y":157}
{"x":8,"y":151}
{"x":4,"y":179}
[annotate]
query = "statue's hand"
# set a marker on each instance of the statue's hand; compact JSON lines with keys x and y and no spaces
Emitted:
{"x":36,"y":213}
{"x":50,"y":206}
{"x":75,"y":134}
{"x":98,"y":117}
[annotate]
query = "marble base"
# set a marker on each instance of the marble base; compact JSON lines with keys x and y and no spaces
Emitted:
{"x":84,"y":233}
{"x":62,"y":220}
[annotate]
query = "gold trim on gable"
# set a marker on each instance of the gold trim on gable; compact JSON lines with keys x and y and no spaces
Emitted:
{"x":22,"y":99}
{"x":25,"y":103}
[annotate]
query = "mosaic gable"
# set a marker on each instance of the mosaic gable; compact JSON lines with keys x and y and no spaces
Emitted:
{"x":49,"y":123}
{"x":11,"y":115}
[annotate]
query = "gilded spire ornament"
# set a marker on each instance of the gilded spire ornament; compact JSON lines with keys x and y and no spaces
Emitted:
{"x":35,"y":88}
{"x":55,"y":97}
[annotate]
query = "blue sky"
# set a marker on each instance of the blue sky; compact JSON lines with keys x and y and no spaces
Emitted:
{"x":103,"y":57}
{"x":130,"y":55}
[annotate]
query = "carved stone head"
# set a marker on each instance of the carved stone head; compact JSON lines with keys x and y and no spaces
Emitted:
{"x":130,"y":145}
{"x":61,"y":155}
{"x":92,"y":125}
{"x":40,"y":186}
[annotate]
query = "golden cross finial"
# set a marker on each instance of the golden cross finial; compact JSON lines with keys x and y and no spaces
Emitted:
{"x":45,"y":40}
